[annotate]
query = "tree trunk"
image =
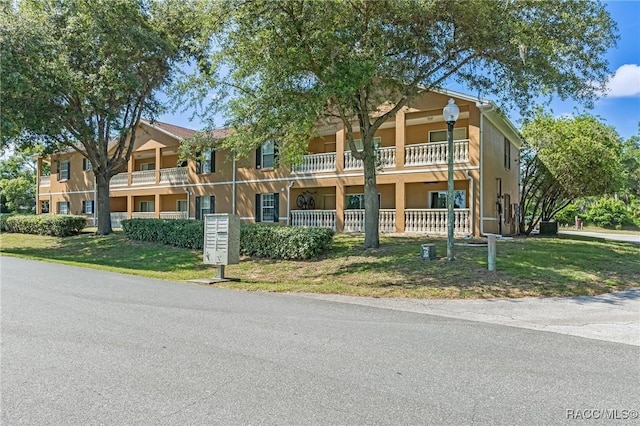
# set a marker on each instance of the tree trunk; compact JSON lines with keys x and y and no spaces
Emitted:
{"x":371,"y":207}
{"x":104,"y":208}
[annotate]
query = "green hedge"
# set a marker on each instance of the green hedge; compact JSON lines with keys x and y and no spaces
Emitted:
{"x":174,"y":232}
{"x":284,"y":242}
{"x":54,"y":225}
{"x":273,"y":242}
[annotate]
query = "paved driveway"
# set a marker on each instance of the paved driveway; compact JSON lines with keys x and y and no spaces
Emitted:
{"x":87,"y":347}
{"x":630,"y":238}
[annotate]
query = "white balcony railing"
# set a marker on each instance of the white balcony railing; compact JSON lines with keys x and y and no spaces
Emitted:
{"x":116,"y":217}
{"x":173,"y":215}
{"x":323,"y":218}
{"x":386,"y":158}
{"x":354,"y":220}
{"x":45,"y":180}
{"x":143,"y":215}
{"x":173,"y":175}
{"x":434,"y":221}
{"x":426,"y":154}
{"x":144,"y":177}
{"x":121,"y":179}
{"x":314,"y":163}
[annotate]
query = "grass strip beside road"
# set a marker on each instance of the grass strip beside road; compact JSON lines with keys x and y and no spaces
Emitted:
{"x":562,"y":266}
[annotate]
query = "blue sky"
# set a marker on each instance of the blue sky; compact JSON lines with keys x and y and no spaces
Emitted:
{"x":620,"y":108}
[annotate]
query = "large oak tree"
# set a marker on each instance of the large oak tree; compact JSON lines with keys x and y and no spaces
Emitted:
{"x":282,"y":67}
{"x":77,"y":75}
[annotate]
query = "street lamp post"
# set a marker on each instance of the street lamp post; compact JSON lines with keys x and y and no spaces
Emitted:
{"x":450,"y":113}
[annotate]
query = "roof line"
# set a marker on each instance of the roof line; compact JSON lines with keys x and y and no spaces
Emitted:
{"x":166,"y":132}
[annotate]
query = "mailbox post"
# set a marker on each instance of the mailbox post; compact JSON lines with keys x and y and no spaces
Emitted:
{"x":221,"y":241}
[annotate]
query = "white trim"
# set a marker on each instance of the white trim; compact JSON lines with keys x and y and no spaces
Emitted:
{"x":490,"y":219}
{"x":67,"y":192}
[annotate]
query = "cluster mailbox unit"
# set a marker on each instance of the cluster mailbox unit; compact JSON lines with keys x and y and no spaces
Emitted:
{"x":221,"y":241}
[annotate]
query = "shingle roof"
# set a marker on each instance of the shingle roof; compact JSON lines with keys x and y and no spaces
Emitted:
{"x":181,"y":132}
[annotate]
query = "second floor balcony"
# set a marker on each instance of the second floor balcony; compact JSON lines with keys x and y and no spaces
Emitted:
{"x":423,"y":154}
{"x":173,"y":175}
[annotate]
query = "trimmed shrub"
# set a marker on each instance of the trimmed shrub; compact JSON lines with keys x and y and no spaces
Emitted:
{"x":273,"y":242}
{"x":608,"y":212}
{"x":283,"y":242}
{"x":3,"y":221}
{"x":54,"y":225}
{"x":174,"y":232}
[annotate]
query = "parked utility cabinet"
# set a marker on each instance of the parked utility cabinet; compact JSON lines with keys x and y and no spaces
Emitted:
{"x":221,"y":239}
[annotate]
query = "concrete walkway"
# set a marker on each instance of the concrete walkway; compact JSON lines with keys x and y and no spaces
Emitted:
{"x":629,"y":238}
{"x":613,"y":317}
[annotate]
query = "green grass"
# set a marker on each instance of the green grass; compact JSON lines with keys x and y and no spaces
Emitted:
{"x":567,"y":265}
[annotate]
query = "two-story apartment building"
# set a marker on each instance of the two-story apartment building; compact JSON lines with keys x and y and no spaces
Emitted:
{"x":326,"y":189}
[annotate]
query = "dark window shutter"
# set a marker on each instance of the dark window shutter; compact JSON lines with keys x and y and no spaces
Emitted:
{"x":58,"y":170}
{"x":276,"y":155}
{"x":198,"y":164}
{"x":69,"y":169}
{"x":84,"y":206}
{"x":212,"y":203}
{"x":93,"y":206}
{"x":259,"y":157}
{"x":276,"y":207}
{"x":258,"y":208}
{"x":84,"y":164}
{"x":212,"y":160}
{"x":197,"y":208}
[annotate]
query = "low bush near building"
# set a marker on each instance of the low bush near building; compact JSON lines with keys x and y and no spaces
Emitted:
{"x":174,"y":232}
{"x":54,"y":225}
{"x":273,"y":242}
{"x":284,"y":242}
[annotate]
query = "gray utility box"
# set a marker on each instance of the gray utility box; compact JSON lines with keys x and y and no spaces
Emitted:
{"x":428,"y":251}
{"x":221,"y":239}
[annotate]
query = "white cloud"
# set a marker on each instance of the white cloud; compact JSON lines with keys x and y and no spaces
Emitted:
{"x":625,"y":82}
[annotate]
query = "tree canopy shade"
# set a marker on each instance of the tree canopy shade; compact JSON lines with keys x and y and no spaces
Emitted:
{"x":282,"y":67}
{"x":566,"y":158}
{"x":79,"y":74}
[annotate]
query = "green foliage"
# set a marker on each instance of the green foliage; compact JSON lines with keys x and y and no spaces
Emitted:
{"x":273,"y":242}
{"x":567,"y":215}
{"x":18,"y":182}
{"x":631,"y":165}
{"x":54,"y":225}
{"x":566,"y":158}
{"x":79,"y":75}
{"x":283,"y":242}
{"x":177,"y":233}
{"x":608,"y":212}
{"x":3,"y":221}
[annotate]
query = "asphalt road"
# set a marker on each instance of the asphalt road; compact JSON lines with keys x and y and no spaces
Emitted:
{"x":86,"y":347}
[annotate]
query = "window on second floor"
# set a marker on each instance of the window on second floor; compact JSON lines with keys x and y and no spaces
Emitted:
{"x":86,"y":164}
{"x":206,"y":162}
{"x":267,"y":155}
{"x":507,"y":154}
{"x":377,"y":143}
{"x":148,"y":166}
{"x":64,"y":170}
{"x":459,"y":133}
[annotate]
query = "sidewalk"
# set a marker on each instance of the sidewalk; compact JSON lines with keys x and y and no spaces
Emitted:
{"x":613,"y":317}
{"x":629,"y":238}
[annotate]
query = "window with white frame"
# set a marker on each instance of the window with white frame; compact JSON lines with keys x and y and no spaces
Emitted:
{"x":268,"y":207}
{"x":86,"y":164}
{"x":87,"y":206}
{"x":268,"y":151}
{"x":64,"y":170}
{"x":148,"y":166}
{"x":356,"y":201}
{"x":206,"y":161}
{"x":438,"y":199}
{"x":147,"y":206}
{"x":44,"y":206}
{"x":181,"y":206}
{"x":63,"y":207}
{"x":459,"y":133}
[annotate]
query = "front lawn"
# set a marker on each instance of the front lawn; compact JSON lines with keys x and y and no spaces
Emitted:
{"x":532,"y":266}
